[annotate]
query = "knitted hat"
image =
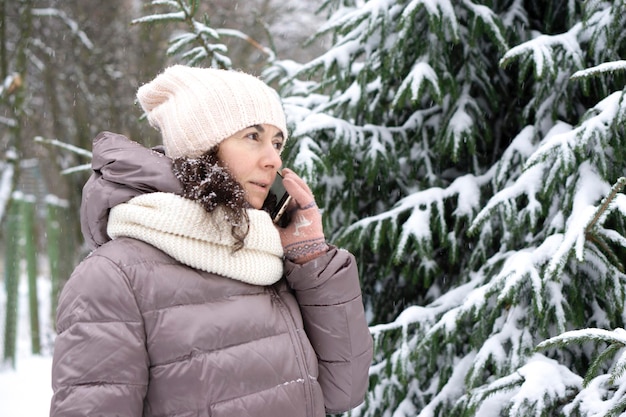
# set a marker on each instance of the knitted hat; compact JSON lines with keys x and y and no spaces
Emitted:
{"x":197,"y":108}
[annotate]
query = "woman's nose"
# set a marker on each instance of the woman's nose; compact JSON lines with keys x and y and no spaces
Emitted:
{"x":271,"y":157}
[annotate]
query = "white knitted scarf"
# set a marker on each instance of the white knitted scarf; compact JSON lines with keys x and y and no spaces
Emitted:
{"x":188,"y":233}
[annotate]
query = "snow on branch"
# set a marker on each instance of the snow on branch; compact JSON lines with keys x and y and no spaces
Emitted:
{"x":307,"y":157}
{"x":556,"y":156}
{"x":558,"y":147}
{"x":162,"y":17}
{"x":451,"y":390}
{"x":490,"y":20}
{"x":341,"y":54}
{"x":541,"y":50}
{"x":71,"y":148}
{"x":438,"y":10}
{"x":415,"y":81}
{"x":519,"y":275}
{"x":606,"y":67}
{"x":613,"y":342}
{"x":7,"y":172}
{"x":443,"y":311}
{"x":584,"y":335}
{"x":308,"y":122}
{"x":181,"y":40}
{"x":600,"y":236}
{"x":202,"y":29}
{"x":590,"y":188}
{"x":195,"y":54}
{"x":521,"y":147}
{"x":349,"y":17}
{"x":495,"y":350}
{"x":423,"y":205}
{"x":619,"y":203}
{"x":202,"y":41}
{"x":411,"y":315}
{"x":528,"y":184}
{"x":171,"y":3}
{"x":461,"y":124}
{"x":583,"y":226}
{"x":358,"y":31}
{"x":540,"y":377}
{"x":70,"y":23}
{"x":78,"y":168}
{"x":320,"y":121}
{"x":63,"y":145}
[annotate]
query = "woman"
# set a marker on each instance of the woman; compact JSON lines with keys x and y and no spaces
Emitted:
{"x":193,"y":303}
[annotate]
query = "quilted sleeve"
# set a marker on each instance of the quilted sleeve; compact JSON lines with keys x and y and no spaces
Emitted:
{"x":100,"y":363}
{"x":329,"y":295}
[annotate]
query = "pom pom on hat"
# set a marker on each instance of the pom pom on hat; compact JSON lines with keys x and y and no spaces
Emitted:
{"x":197,"y":108}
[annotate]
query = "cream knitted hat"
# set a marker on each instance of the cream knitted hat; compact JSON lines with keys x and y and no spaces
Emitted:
{"x":197,"y":108}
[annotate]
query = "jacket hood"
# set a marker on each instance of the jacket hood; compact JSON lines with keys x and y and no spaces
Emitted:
{"x":122,"y":169}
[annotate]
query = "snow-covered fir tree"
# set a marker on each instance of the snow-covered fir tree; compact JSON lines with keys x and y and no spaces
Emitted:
{"x":471,"y":155}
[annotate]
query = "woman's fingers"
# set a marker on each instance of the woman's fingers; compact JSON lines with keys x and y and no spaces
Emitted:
{"x":297,"y":188}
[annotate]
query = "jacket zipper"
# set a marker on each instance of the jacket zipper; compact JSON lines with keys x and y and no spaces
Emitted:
{"x":297,"y":344}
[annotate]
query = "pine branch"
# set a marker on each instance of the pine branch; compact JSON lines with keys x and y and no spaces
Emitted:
{"x":615,"y":341}
{"x":617,"y":187}
{"x":542,"y":50}
{"x":70,"y":23}
{"x":201,"y":41}
{"x":591,"y":232}
{"x":599,"y":70}
{"x":64,"y":145}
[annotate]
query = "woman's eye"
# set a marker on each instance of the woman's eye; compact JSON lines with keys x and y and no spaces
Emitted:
{"x":253,"y":136}
{"x":278,"y":146}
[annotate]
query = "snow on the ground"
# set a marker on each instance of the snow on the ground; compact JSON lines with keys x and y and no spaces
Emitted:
{"x":26,"y":391}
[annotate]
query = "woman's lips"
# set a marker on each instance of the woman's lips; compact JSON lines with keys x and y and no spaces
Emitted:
{"x":259,"y":184}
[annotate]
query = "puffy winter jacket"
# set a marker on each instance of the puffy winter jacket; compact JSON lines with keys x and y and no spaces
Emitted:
{"x":139,"y":333}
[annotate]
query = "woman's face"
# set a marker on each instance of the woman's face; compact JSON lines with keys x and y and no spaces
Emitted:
{"x":253,"y":156}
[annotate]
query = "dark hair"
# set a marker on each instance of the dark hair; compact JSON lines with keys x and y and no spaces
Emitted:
{"x":206,"y":181}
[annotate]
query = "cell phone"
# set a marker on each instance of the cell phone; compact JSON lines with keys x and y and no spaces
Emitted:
{"x":277,"y":201}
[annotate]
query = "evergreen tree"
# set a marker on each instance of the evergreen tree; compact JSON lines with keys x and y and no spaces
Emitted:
{"x":471,"y":155}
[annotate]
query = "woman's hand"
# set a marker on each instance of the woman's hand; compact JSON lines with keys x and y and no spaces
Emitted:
{"x":303,"y":238}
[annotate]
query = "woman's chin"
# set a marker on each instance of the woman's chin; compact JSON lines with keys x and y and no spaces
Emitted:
{"x":256,"y":203}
